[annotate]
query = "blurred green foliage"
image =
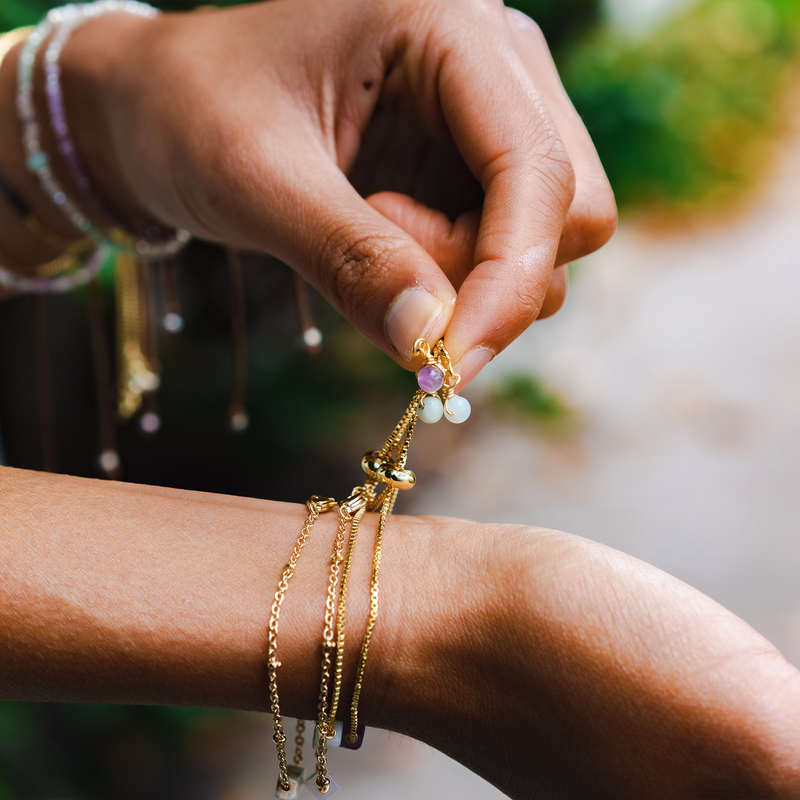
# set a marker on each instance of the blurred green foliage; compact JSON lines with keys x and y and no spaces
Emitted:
{"x":528,"y":397}
{"x":86,"y":751}
{"x":687,"y":114}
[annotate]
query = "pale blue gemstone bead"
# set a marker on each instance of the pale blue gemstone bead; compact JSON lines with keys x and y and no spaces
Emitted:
{"x":458,"y":409}
{"x":295,"y":777}
{"x":336,"y":741}
{"x":432,"y":410}
{"x":37,"y":161}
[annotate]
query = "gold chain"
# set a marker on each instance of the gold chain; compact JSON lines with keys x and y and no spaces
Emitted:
{"x":316,"y":506}
{"x":340,"y":618}
{"x":136,"y":374}
{"x":72,"y":247}
{"x":59,"y":264}
{"x":324,"y":729}
{"x":387,"y":475}
{"x":402,"y":433}
{"x":386,"y":509}
{"x":299,"y":741}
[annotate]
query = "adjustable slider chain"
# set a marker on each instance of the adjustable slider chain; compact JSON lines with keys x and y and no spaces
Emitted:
{"x":387,"y":475}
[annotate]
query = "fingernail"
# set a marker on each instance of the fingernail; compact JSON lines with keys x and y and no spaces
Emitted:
{"x":471,"y":363}
{"x":410,"y":317}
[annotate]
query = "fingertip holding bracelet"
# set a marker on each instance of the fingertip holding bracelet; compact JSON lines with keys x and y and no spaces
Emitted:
{"x":387,"y":475}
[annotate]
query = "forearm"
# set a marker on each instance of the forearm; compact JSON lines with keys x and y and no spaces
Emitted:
{"x":130,"y":594}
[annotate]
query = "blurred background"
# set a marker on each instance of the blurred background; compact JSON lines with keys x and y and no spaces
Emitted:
{"x":658,"y":413}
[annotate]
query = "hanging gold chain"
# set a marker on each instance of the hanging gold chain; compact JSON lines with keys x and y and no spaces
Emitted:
{"x":386,"y":509}
{"x":316,"y":506}
{"x":325,"y":731}
{"x":341,"y":618}
{"x":135,"y":373}
{"x":299,"y":742}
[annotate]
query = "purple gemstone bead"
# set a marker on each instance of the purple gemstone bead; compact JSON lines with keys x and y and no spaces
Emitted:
{"x":430,"y":379}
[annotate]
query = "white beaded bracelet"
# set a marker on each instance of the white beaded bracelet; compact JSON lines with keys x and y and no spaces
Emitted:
{"x":66,"y":19}
{"x":60,"y":284}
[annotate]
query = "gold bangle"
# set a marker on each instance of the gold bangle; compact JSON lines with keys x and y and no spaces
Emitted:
{"x":72,"y":247}
{"x":63,"y":262}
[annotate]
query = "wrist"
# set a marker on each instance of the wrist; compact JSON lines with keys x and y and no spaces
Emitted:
{"x":441,"y":601}
{"x":96,"y":63}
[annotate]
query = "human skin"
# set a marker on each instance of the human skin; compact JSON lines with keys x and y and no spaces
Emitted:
{"x":549,"y":664}
{"x":241,"y":125}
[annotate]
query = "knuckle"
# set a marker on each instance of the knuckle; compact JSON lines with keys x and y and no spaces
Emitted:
{"x":350,"y":267}
{"x":525,"y":24}
{"x":529,"y":296}
{"x":543,"y":162}
{"x":554,"y":165}
{"x":596,"y":221}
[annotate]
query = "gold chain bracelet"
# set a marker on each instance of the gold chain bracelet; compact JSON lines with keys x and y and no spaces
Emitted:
{"x":387,"y":475}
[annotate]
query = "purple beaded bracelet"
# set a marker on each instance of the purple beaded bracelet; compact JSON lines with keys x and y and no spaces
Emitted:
{"x":65,"y":20}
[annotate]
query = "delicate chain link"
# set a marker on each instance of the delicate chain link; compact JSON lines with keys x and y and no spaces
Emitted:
{"x":299,"y":741}
{"x":399,"y":440}
{"x":386,"y":509}
{"x":316,"y":506}
{"x":324,"y":732}
{"x":341,"y":617}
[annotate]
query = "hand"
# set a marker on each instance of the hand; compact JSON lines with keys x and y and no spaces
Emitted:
{"x":242,"y":125}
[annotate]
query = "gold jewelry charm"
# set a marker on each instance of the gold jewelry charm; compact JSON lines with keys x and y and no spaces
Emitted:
{"x":434,"y":376}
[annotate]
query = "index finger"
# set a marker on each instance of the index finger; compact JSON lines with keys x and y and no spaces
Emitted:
{"x":510,"y":143}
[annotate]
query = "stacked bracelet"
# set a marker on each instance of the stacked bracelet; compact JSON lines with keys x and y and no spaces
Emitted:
{"x":73,"y":247}
{"x":387,"y":475}
{"x":60,"y":284}
{"x":64,"y":21}
{"x":22,"y":278}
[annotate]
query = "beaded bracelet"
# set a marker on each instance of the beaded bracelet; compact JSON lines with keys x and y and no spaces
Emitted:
{"x":67,"y":19}
{"x":54,"y":285}
{"x":72,"y":247}
{"x":35,"y":226}
{"x":387,"y":475}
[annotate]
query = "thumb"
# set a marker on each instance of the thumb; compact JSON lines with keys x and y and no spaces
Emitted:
{"x":372,"y":271}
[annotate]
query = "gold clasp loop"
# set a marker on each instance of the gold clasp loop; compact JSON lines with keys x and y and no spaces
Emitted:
{"x":321,"y":504}
{"x":421,"y":349}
